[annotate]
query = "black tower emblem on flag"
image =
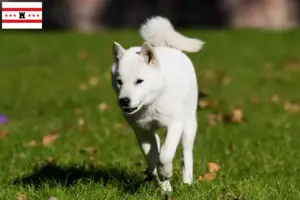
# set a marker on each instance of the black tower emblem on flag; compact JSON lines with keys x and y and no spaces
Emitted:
{"x":21,"y":15}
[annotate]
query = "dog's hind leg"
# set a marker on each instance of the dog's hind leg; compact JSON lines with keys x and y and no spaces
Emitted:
{"x":187,"y":140}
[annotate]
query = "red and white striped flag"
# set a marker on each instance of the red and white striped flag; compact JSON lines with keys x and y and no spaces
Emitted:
{"x":22,"y":15}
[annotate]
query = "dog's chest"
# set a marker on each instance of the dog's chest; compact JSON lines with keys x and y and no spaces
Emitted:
{"x":149,"y":120}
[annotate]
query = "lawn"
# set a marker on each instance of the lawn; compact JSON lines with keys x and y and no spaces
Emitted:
{"x":65,"y":137}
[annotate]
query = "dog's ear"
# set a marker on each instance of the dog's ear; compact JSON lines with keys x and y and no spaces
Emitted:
{"x":117,"y":51}
{"x":149,"y":54}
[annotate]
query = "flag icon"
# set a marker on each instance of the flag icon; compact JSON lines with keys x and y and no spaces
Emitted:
{"x":22,"y":15}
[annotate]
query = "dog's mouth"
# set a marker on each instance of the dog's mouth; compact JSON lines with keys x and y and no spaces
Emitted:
{"x":131,"y":111}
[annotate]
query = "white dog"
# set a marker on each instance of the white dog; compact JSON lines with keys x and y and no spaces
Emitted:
{"x":157,"y":88}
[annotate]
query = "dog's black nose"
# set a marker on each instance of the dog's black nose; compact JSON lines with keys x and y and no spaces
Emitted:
{"x":124,"y":101}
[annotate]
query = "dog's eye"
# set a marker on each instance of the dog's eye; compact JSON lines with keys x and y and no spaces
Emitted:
{"x":119,"y":81}
{"x":139,"y":81}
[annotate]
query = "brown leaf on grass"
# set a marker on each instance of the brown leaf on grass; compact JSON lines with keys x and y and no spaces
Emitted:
{"x":292,"y":107}
{"x":50,"y":159}
{"x":208,"y":177}
{"x":21,"y":155}
{"x":49,"y":139}
{"x":83,"y":86}
{"x":81,"y":55}
{"x":21,"y":197}
{"x":225,"y":80}
{"x":31,"y":143}
{"x":120,"y":125}
{"x":213,"y":167}
{"x":291,"y":65}
{"x":80,"y":122}
{"x":103,"y":107}
{"x":214,"y":118}
{"x":275,"y":98}
{"x":236,"y":116}
{"x":91,"y":151}
{"x":254,"y":100}
{"x":3,"y":133}
{"x":78,"y":111}
{"x":93,"y":81}
{"x":220,"y":77}
{"x":203,"y":103}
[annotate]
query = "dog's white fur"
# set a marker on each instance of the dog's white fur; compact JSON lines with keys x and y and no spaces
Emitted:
{"x":164,"y":97}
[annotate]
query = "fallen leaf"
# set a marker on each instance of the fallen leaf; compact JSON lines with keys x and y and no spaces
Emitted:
{"x":80,"y":122}
{"x":91,"y":151}
{"x":291,"y":65}
{"x":200,"y":178}
{"x":275,"y":98}
{"x":21,"y":197}
{"x":226,"y":80}
{"x":292,"y":107}
{"x":83,"y":87}
{"x":78,"y":111}
{"x":213,"y":167}
{"x":210,"y":176}
{"x":93,"y":81}
{"x":49,"y":139}
{"x":2,"y":133}
{"x":31,"y":143}
{"x":21,"y":155}
{"x":49,"y":159}
{"x":254,"y":100}
{"x":203,"y":103}
{"x":119,"y":125}
{"x":103,"y":106}
{"x":214,"y":118}
{"x":219,"y":76}
{"x":236,"y":116}
{"x":81,"y":55}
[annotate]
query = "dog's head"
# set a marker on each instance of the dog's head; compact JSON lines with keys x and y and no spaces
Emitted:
{"x":136,"y":77}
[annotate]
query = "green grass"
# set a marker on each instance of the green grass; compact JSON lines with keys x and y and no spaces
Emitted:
{"x":40,"y":77}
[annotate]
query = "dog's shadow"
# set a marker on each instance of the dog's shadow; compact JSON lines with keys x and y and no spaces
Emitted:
{"x":52,"y":174}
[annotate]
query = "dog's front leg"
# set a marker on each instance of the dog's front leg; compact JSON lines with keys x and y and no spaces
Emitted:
{"x":168,"y":150}
{"x":150,"y":145}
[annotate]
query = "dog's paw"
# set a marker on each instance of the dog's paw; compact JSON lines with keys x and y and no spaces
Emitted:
{"x":165,"y":171}
{"x":166,"y":187}
{"x":187,"y":180}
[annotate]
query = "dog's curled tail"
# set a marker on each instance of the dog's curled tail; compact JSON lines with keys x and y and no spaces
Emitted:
{"x":159,"y":31}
